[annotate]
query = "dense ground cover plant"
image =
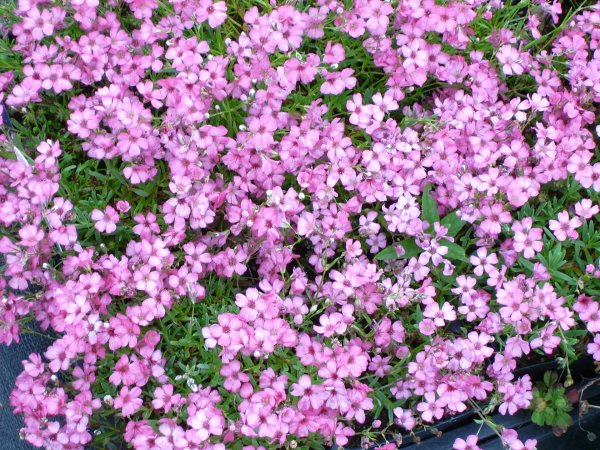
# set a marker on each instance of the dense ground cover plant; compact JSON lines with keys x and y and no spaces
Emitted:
{"x":265,"y":225}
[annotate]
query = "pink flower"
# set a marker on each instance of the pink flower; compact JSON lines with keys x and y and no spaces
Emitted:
{"x":59,"y":355}
{"x":593,"y":348}
{"x":353,"y":362}
{"x":234,"y":377}
{"x":128,"y":401}
{"x":586,"y":209}
{"x":564,"y":227}
{"x":164,"y":398}
{"x":123,"y":206}
{"x":360,"y":114}
{"x":207,"y":422}
{"x":430,"y":409}
{"x":440,"y":315}
{"x":383,"y":105}
{"x":494,"y":217}
{"x":122,"y":372}
{"x":380,"y":366}
{"x":34,"y":365}
{"x":88,"y":3}
{"x":49,"y":151}
{"x":483,"y":261}
{"x":547,"y":340}
{"x":334,"y":53}
{"x":516,"y":396}
{"x":521,"y":190}
{"x":510,"y":59}
{"x":404,"y":418}
{"x":331,"y":324}
{"x":30,"y":235}
{"x":390,"y":446}
{"x":40,"y":24}
{"x":415,"y":54}
{"x":342,"y":433}
{"x":262,"y":129}
{"x":589,"y":312}
{"x":510,"y":439}
{"x":527,"y":239}
{"x":311,"y":394}
{"x":215,"y":13}
{"x":336,"y":82}
{"x":427,"y":327}
{"x":106,"y":222}
{"x":538,"y":103}
{"x":469,"y":444}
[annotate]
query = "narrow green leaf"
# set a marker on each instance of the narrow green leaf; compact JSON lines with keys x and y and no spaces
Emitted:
{"x":562,"y":276}
{"x":526,"y":263}
{"x":141,"y":192}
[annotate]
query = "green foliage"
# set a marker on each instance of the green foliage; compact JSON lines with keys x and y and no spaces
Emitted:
{"x":410,"y":249}
{"x":453,"y":223}
{"x":550,"y":405}
{"x":429,"y":209}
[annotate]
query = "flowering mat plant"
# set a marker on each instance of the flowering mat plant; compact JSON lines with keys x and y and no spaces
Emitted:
{"x":263,"y":225}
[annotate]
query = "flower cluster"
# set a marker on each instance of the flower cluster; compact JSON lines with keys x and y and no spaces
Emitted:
{"x":257,"y":227}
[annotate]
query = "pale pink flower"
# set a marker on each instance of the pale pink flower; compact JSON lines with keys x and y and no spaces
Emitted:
{"x":564,"y":228}
{"x":106,"y":222}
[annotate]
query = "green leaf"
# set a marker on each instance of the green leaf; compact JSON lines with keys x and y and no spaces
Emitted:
{"x":455,"y":251}
{"x":386,"y":254}
{"x":141,"y":192}
{"x":410,"y":249}
{"x":453,"y":223}
{"x":526,"y":263}
{"x":561,"y":276}
{"x":429,"y":211}
{"x":548,"y":378}
{"x":563,"y":419}
{"x":538,"y":418}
